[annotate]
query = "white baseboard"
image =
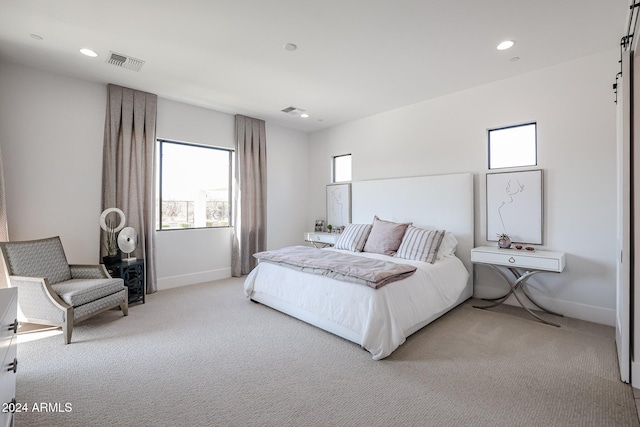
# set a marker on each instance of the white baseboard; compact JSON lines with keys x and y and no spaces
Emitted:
{"x":192,"y":278}
{"x":590,"y":313}
{"x":635,"y":374}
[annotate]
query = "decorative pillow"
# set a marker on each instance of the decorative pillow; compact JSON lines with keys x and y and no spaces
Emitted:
{"x":385,"y":236}
{"x":420,"y":244}
{"x":353,"y":237}
{"x":448,"y":246}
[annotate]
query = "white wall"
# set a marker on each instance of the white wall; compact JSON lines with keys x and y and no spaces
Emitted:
{"x":573,"y":104}
{"x":199,"y":255}
{"x":51,"y":133}
{"x":287,"y":187}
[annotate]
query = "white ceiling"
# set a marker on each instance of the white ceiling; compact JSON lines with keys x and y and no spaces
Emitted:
{"x":355,"y":58}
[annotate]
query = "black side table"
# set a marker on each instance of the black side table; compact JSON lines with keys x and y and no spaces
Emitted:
{"x":132,"y":272}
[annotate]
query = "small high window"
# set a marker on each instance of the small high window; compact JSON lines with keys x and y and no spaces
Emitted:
{"x":513,"y":146}
{"x":342,"y":168}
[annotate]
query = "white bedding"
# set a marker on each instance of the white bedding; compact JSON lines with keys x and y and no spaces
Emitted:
{"x":378,"y":319}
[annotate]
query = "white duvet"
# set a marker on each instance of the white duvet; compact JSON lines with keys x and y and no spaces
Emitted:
{"x":379,"y":320}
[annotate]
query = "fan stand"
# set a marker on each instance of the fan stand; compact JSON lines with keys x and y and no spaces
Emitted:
{"x":129,"y":258}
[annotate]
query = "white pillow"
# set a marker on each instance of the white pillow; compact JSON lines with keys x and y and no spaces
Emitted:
{"x":448,"y":246}
{"x":419,"y":244}
{"x":353,"y":237}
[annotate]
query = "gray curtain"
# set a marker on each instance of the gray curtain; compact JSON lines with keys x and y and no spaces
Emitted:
{"x":128,"y":166}
{"x":4,"y":229}
{"x":250,"y":194}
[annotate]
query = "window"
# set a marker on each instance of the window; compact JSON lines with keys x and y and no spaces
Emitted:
{"x":513,"y":146}
{"x":342,"y":168}
{"x":194,"y":186}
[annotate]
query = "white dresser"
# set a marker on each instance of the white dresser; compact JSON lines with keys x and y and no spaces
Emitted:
{"x":8,"y":353}
{"x":320,"y":238}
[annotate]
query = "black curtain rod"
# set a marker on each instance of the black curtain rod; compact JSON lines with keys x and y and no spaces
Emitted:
{"x":629,"y":37}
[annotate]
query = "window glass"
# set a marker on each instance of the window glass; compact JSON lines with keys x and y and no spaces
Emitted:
{"x":513,"y":146}
{"x":342,"y":168}
{"x":194,"y":186}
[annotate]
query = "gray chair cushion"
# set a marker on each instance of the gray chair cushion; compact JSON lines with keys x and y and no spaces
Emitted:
{"x":38,"y":258}
{"x":76,"y":292}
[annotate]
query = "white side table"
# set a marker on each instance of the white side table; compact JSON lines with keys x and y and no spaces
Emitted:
{"x":522,"y":264}
{"x":320,"y":238}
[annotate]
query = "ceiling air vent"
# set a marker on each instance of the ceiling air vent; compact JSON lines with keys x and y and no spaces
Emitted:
{"x":124,"y":61}
{"x":293,"y":111}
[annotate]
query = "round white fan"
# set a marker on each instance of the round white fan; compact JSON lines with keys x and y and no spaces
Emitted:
{"x":127,"y":241}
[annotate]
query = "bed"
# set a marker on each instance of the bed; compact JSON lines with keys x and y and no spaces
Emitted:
{"x":381,"y":319}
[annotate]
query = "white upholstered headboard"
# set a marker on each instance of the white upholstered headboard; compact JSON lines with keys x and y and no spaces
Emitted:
{"x":436,"y":202}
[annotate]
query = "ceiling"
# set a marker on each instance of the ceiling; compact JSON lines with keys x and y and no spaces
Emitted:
{"x":355,"y":58}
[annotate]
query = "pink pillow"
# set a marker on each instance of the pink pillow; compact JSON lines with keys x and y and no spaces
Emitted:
{"x":385,"y":236}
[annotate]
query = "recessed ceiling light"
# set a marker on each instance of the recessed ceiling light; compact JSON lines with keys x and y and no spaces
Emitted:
{"x":304,"y":115}
{"x":35,"y":36}
{"x":88,"y":52}
{"x":505,"y":45}
{"x":290,"y":47}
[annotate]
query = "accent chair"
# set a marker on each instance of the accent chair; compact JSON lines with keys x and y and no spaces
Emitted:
{"x":52,"y":292}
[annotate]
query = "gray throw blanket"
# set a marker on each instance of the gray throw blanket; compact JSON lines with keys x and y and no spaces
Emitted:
{"x":350,"y":268}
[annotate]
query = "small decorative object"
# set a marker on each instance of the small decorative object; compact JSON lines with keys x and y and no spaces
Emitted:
{"x":111,"y":245}
{"x":504,"y":241}
{"x":111,"y":241}
{"x":329,"y":227}
{"x":127,"y":241}
{"x":319,"y":225}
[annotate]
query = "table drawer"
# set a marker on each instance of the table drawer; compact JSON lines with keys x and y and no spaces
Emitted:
{"x":8,"y":321}
{"x":8,"y":349}
{"x":8,"y":382}
{"x":327,"y":238}
{"x":511,"y":258}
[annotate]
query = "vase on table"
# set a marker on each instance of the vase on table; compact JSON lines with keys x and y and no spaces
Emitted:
{"x":504,"y":243}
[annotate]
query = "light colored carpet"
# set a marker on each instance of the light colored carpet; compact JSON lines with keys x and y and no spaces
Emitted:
{"x":204,"y":355}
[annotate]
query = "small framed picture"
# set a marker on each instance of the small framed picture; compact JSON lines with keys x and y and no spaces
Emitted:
{"x":319,"y":225}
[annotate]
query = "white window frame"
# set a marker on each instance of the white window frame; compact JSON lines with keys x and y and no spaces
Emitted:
{"x":334,"y":168}
{"x":495,"y":159}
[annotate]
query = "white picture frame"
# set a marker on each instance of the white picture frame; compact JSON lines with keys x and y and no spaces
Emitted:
{"x":514,"y":206}
{"x":338,"y":205}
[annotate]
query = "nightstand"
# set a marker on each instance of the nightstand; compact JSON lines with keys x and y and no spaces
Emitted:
{"x":320,"y":238}
{"x":132,"y":272}
{"x":521,"y":264}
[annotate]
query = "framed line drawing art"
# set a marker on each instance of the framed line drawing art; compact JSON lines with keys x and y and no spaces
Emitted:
{"x":514,"y":206}
{"x":338,"y":205}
